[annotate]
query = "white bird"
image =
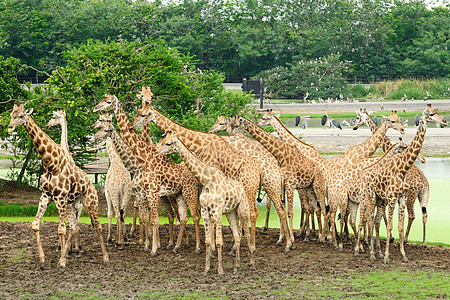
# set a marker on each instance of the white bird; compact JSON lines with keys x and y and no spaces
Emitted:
{"x":345,"y":123}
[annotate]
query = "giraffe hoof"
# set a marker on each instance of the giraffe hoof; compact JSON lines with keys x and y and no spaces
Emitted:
{"x":306,"y":239}
{"x":198,"y":251}
{"x":175,"y":250}
{"x":380,"y":255}
{"x":205,"y":273}
{"x":356,"y":253}
{"x":405,"y":259}
{"x":372,"y":257}
{"x":264,"y":230}
{"x":386,"y":260}
{"x":232,"y":253}
{"x":292,"y":247}
{"x":235,"y":270}
{"x":340,"y":249}
{"x":287,"y":249}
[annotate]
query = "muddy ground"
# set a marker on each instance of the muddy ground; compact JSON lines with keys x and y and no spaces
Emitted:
{"x":133,"y":273}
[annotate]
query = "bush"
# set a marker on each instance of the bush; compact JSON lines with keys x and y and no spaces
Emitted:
{"x":412,"y":88}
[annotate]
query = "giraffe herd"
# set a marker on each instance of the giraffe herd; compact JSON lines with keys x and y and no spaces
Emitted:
{"x":222,"y":174}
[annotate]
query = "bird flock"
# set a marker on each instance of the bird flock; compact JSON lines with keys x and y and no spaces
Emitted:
{"x":324,"y":185}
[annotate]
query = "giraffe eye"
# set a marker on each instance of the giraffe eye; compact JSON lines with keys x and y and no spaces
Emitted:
{"x":168,"y":144}
{"x":143,"y":115}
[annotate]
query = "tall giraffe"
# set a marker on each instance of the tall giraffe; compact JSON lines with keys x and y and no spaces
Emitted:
{"x":387,"y":184}
{"x":271,"y":177}
{"x":162,"y":177}
{"x":104,"y":123}
{"x":298,"y":171}
{"x":59,"y":119}
{"x":213,"y":150}
{"x":220,"y":195}
{"x":415,"y":178}
{"x":62,"y":181}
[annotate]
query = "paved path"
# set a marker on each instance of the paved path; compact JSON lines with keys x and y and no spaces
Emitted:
{"x":442,"y":105}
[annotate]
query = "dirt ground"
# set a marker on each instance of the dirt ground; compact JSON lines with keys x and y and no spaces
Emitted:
{"x":133,"y":273}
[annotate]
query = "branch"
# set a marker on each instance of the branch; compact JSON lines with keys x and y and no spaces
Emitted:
{"x":33,"y":68}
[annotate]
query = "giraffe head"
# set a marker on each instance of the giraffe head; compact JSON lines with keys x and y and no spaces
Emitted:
{"x":109,"y":102}
{"x":143,"y":116}
{"x":220,"y":125}
{"x":58,"y":118}
{"x":363,"y":117}
{"x":105,"y":132}
{"x":102,"y":121}
{"x":146,"y":95}
{"x":432,"y":115}
{"x":266,"y":119}
{"x":19,"y":116}
{"x":167,"y":145}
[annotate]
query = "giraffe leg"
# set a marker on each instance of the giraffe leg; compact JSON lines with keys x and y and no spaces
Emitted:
{"x":73,"y":216}
{"x":91,"y":206}
{"x":170,"y":215}
{"x":378,"y":216}
{"x":244,"y":217}
{"x":43,"y":203}
{"x":290,"y":198}
{"x":74,"y":229}
{"x":207,"y":224}
{"x":190,"y":194}
{"x":219,"y":240}
{"x":126,"y":195}
{"x":423,"y":197}
{"x":61,"y":204}
{"x":411,"y":215}
{"x":268,"y":207}
{"x":391,"y":206}
{"x":135,"y":215}
{"x":182,"y":213}
{"x":401,"y":223}
{"x":153,"y":203}
{"x":370,"y":199}
{"x":233,"y":220}
{"x":108,"y":196}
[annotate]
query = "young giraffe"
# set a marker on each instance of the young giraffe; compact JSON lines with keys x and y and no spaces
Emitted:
{"x":328,"y":167}
{"x":387,"y":184}
{"x":213,"y":150}
{"x":418,"y":184}
{"x":117,"y":190}
{"x":272,"y":176}
{"x":220,"y":195}
{"x":104,"y":123}
{"x":298,"y":171}
{"x":62,"y":181}
{"x":59,"y":119}
{"x":162,"y":177}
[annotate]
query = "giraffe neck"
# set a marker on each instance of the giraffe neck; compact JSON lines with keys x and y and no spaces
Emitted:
{"x":386,"y":142}
{"x":142,"y":151}
{"x":369,"y":147}
{"x":64,"y":143}
{"x":306,"y":149}
{"x":147,"y":133}
{"x":407,"y":158}
{"x":271,"y":143}
{"x":194,"y":140}
{"x":385,"y":158}
{"x":49,"y":151}
{"x":199,"y":169}
{"x":125,"y":153}
{"x":114,"y":157}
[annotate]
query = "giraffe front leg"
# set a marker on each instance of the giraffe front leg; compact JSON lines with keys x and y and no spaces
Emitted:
{"x":266,"y":223}
{"x":391,"y":206}
{"x":43,"y":203}
{"x":401,"y":223}
{"x":61,"y":205}
{"x":109,"y":214}
{"x":135,"y":215}
{"x":290,"y":198}
{"x":219,"y":240}
{"x":182,"y":214}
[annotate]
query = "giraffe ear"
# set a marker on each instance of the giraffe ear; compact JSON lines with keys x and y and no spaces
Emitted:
{"x":384,"y":117}
{"x":29,"y":111}
{"x":278,"y":116}
{"x":15,"y":106}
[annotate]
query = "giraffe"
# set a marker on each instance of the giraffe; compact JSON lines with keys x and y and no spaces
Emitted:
{"x":415,"y":178}
{"x":271,"y":177}
{"x":117,"y":190}
{"x":220,"y":195}
{"x":162,"y":177}
{"x":329,"y":167}
{"x":59,"y":118}
{"x":345,"y":183}
{"x":213,"y":150}
{"x":298,"y":171}
{"x":130,"y":161}
{"x":62,"y":181}
{"x":104,"y":123}
{"x":387,"y":185}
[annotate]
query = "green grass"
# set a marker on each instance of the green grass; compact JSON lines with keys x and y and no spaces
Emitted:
{"x":19,"y":210}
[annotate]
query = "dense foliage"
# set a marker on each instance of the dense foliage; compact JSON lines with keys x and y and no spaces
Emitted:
{"x":381,"y":38}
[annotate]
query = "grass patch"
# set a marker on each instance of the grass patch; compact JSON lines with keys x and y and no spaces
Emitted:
{"x":19,"y":210}
{"x":163,"y":294}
